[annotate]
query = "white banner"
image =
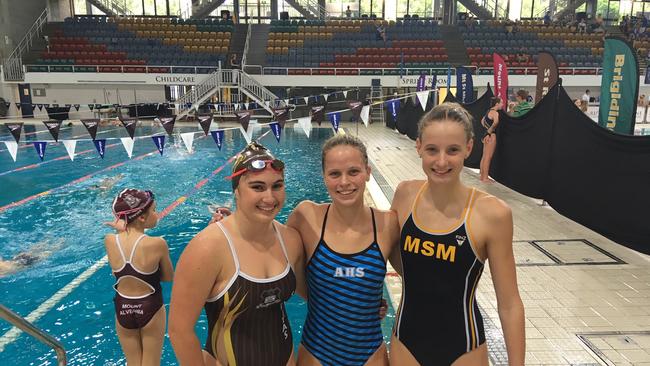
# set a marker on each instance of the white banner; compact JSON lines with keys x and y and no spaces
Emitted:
{"x":423,"y":97}
{"x":188,"y":139}
{"x":306,"y":100}
{"x":365,"y":114}
{"x":345,"y":93}
{"x":305,"y":124}
{"x":70,"y":146}
{"x":326,"y":96}
{"x":128,"y":145}
{"x":12,"y":146}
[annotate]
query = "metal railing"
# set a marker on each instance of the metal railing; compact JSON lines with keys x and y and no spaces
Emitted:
{"x":314,"y":7}
{"x":496,"y":8}
{"x":27,"y":327}
{"x":148,"y":69}
{"x":117,"y":7}
{"x":365,"y":71}
{"x":13,"y":65}
{"x":255,"y":90}
{"x":246,"y":46}
{"x":186,"y":102}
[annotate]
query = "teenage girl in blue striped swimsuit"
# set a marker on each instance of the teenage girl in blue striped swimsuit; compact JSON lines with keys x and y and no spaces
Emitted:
{"x":347,"y":245}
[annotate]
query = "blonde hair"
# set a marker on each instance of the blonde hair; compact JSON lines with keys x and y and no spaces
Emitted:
{"x":344,"y":140}
{"x":453,"y":112}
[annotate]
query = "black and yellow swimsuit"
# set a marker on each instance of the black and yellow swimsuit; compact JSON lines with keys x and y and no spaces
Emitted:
{"x":247,"y":321}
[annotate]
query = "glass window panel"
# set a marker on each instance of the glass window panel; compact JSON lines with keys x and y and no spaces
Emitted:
{"x":161,"y":7}
{"x":613,"y":10}
{"x":541,"y":6}
{"x":527,"y":9}
{"x":149,"y":7}
{"x":637,"y":8}
{"x":402,"y":8}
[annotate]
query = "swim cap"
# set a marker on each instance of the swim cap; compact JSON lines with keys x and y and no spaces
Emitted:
{"x":131,"y":203}
{"x":252,"y":151}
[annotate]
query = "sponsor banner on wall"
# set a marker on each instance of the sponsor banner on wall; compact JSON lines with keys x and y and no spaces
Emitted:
{"x":619,"y":86}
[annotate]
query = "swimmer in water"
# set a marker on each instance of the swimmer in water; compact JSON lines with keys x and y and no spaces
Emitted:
{"x":33,"y":255}
{"x":107,"y":184}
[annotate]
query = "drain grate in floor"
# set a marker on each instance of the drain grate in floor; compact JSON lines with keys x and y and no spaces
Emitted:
{"x":575,"y":251}
{"x":619,"y":348}
{"x":527,"y":254}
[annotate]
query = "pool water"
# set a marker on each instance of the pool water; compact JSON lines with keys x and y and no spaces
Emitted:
{"x":67,"y":220}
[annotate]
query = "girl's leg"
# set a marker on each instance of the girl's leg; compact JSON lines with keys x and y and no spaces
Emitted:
{"x":131,"y":344}
{"x":488,"y":152}
{"x":153,"y":336}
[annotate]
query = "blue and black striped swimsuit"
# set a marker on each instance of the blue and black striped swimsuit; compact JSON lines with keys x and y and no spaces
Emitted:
{"x":345,"y":291}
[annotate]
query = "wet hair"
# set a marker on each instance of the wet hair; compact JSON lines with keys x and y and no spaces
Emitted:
{"x":251,"y":151}
{"x":521,"y":93}
{"x":453,"y":112}
{"x":494,"y":101}
{"x":344,"y":140}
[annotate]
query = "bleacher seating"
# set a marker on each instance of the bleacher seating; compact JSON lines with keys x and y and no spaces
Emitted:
{"x":354,"y":44}
{"x":136,"y":42}
{"x":569,"y":48}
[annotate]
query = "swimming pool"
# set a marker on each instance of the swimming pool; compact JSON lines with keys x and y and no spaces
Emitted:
{"x":83,"y":319}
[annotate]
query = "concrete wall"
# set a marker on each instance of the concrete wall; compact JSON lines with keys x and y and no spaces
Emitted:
{"x":16,"y":17}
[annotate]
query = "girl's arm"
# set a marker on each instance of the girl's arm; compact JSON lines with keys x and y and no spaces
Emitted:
{"x":166,"y":267}
{"x":504,"y":275}
{"x":196,"y":272}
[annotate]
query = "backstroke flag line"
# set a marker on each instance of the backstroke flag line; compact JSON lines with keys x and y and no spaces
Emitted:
{"x":500,"y":77}
{"x":619,"y":87}
{"x":547,"y":74}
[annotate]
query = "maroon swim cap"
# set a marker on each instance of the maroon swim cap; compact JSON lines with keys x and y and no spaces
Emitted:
{"x":131,"y":203}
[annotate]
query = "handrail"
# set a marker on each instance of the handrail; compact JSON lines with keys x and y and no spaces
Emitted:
{"x":117,"y":7}
{"x":246,"y":46}
{"x":13,"y":65}
{"x":27,"y":327}
{"x":253,"y":87}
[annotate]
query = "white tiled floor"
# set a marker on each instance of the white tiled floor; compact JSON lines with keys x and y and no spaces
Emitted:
{"x":607,"y":304}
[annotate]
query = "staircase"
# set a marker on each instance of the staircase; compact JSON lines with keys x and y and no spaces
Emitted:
{"x":568,"y":7}
{"x":238,"y":41}
{"x":112,"y":7}
{"x":205,"y":7}
{"x":224,"y":78}
{"x":257,"y":47}
{"x":478,"y":10}
{"x":456,"y":50}
{"x":39,"y":45}
{"x":12,"y":67}
{"x":310,"y":9}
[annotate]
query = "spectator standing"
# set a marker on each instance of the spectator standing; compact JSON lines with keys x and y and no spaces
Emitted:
{"x":522,"y":106}
{"x":586,"y":97}
{"x":348,"y":12}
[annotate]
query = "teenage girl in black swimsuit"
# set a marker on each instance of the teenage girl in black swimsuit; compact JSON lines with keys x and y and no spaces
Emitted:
{"x":490,"y":121}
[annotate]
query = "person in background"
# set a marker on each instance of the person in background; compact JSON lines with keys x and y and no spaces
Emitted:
{"x":522,"y":105}
{"x":642,"y":101}
{"x":139,"y":263}
{"x":348,"y":12}
{"x":490,"y":121}
{"x":36,"y":253}
{"x":586,"y":97}
{"x":547,"y":18}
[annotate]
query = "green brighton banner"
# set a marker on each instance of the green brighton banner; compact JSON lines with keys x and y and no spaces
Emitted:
{"x":619,"y":87}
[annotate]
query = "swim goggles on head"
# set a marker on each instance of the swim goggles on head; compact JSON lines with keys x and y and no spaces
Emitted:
{"x":258,"y":165}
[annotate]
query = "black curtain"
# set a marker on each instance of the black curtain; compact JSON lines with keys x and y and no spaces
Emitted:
{"x":587,"y":173}
{"x":408,"y":118}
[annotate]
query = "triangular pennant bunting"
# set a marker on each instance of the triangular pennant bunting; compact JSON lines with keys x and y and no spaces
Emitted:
{"x":365,"y":114}
{"x":217,"y":136}
{"x":91,"y":125}
{"x":188,"y":140}
{"x":100,"y":145}
{"x":98,"y":106}
{"x":423,"y":97}
{"x":281,"y":115}
{"x":160,"y":143}
{"x":305,"y":124}
{"x":15,"y":129}
{"x":40,"y":107}
{"x":68,"y":106}
{"x":7,"y":105}
{"x":246,"y":105}
{"x":76,"y":106}
{"x":18,"y":105}
{"x":205,"y":120}
{"x":335,"y":119}
{"x":12,"y":146}
{"x":168,"y":123}
{"x":306,"y":100}
{"x":277,"y":130}
{"x":40,"y":148}
{"x":326,"y":96}
{"x":128,"y":145}
{"x":54,"y":127}
{"x":244,"y":119}
{"x":355,"y":107}
{"x":91,"y":106}
{"x":70,"y":146}
{"x":129,"y":124}
{"x":286,"y":102}
{"x":345,"y":94}
{"x":317,"y":113}
{"x":393,"y":106}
